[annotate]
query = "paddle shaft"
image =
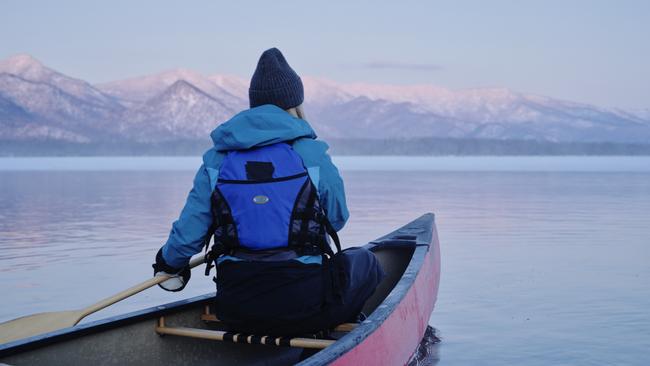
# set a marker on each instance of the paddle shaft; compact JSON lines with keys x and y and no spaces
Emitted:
{"x":131,"y":291}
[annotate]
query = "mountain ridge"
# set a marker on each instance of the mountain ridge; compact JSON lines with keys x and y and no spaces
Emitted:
{"x":39,"y":103}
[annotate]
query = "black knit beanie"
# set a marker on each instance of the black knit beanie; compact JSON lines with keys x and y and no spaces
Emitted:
{"x":275,"y":82}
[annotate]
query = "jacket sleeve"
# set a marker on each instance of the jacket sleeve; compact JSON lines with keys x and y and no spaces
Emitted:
{"x":331,"y":191}
{"x":189,"y":231}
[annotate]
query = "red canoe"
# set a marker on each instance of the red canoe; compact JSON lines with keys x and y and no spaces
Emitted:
{"x":185,"y":332}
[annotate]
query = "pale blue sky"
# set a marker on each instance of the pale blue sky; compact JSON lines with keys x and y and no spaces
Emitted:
{"x":588,"y":51}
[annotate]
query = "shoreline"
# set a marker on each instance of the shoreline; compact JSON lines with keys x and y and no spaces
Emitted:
{"x":590,"y":163}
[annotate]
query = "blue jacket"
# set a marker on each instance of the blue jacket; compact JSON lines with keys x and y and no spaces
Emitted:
{"x":260,"y":126}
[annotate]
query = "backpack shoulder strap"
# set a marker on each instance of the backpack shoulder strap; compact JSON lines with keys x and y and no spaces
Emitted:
{"x":331,"y":232}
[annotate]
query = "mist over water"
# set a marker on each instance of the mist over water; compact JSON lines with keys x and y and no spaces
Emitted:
{"x":544,"y":260}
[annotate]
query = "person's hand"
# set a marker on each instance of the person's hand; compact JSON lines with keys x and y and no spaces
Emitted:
{"x":178,"y":278}
{"x":176,"y":282}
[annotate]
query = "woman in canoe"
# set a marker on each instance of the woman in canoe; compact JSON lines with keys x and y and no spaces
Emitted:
{"x":270,"y":195}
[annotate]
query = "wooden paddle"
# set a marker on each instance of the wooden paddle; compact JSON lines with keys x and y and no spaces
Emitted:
{"x":36,"y":324}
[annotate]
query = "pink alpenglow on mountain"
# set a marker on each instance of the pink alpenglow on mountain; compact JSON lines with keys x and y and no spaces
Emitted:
{"x":38,"y":103}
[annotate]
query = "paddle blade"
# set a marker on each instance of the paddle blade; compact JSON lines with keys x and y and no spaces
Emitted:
{"x":36,"y":324}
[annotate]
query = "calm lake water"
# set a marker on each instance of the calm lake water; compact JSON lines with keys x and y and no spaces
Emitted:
{"x":546,"y":260}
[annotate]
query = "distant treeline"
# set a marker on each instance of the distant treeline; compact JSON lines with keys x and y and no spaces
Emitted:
{"x":61,"y":148}
{"x":419,"y":146}
{"x":452,"y":146}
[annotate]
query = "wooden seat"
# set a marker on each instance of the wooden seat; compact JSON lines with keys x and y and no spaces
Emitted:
{"x":218,"y":335}
{"x":235,"y":337}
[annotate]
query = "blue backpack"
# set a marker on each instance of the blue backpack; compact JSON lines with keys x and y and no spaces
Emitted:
{"x":263,"y":200}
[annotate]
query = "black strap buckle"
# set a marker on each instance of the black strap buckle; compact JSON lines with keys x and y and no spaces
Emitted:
{"x":208,"y":265}
{"x":215,"y":252}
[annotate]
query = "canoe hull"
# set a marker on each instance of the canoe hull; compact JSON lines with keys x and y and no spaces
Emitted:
{"x":395,"y":341}
{"x":390,"y":336}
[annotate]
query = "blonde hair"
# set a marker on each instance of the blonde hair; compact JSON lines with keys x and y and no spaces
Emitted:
{"x":297,"y":112}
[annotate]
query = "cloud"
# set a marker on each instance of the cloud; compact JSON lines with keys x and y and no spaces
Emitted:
{"x":401,"y":66}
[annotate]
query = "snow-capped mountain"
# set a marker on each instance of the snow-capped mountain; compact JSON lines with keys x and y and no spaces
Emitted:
{"x":27,"y":68}
{"x":166,"y":115}
{"x":37,"y":102}
{"x":44,"y":104}
{"x":140,"y":89}
{"x":19,"y":125}
{"x":50,"y":107}
{"x":472,"y":113}
{"x":233,"y":84}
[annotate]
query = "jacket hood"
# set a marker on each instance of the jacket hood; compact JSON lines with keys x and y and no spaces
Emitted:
{"x":259,"y":126}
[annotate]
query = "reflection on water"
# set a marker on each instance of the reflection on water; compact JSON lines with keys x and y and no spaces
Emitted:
{"x":538,"y":267}
{"x":426,"y":353}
